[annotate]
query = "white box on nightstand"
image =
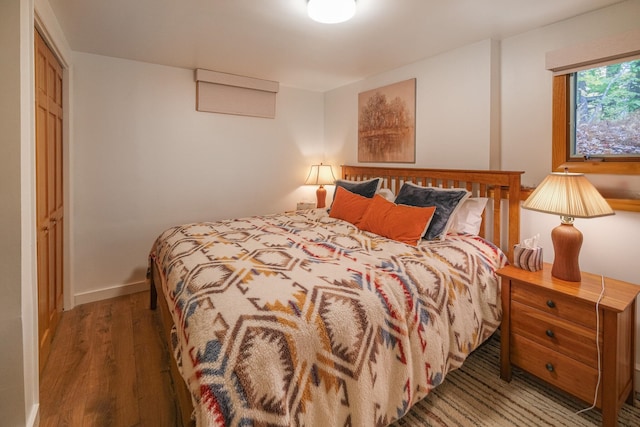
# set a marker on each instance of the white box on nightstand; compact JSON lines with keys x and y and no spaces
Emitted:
{"x":305,"y":205}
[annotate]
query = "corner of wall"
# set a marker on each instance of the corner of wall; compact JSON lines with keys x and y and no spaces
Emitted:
{"x":495,"y":134}
{"x":110,"y":292}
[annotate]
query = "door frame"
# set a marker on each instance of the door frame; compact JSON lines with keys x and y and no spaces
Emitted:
{"x":44,"y":21}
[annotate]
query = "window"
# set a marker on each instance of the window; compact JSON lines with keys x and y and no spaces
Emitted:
{"x":596,"y":106}
{"x":585,"y":139}
{"x":604,"y":105}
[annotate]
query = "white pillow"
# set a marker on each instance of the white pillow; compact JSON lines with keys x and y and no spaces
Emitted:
{"x":468,"y":216}
{"x":387,"y":194}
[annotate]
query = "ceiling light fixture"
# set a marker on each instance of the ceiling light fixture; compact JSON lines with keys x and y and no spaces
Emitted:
{"x":331,"y":11}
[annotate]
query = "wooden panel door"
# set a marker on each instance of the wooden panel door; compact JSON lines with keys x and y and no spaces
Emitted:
{"x":49,"y":194}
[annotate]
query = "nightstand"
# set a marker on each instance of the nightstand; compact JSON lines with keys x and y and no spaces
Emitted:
{"x":549,"y":330}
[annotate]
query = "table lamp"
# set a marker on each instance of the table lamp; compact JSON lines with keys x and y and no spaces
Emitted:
{"x":320,"y":175}
{"x":569,"y":195}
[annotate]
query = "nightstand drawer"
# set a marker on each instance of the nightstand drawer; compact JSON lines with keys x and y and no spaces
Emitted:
{"x":555,"y":333}
{"x":555,"y":368}
{"x":536,"y":302}
{"x":555,"y":303}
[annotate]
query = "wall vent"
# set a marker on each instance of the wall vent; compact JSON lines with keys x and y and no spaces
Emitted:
{"x":232,"y":94}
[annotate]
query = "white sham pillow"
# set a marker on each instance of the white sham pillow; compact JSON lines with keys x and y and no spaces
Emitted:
{"x":387,"y":194}
{"x":468,"y":216}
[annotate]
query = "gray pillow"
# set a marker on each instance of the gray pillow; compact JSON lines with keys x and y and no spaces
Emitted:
{"x":446,"y":201}
{"x":366,"y":188}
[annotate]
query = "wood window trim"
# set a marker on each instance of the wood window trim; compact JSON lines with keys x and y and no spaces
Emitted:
{"x":560,"y":154}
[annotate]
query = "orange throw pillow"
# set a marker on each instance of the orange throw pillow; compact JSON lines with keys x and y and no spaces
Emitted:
{"x":349,"y":206}
{"x":403,"y":223}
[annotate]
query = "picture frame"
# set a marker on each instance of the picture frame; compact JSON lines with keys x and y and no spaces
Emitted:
{"x":387,"y":124}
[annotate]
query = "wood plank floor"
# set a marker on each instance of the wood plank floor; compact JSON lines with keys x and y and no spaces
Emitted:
{"x":108,"y":367}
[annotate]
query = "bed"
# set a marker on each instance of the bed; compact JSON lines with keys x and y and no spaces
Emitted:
{"x":304,"y":318}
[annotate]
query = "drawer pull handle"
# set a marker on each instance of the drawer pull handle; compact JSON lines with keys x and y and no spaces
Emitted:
{"x":551,"y":304}
{"x":549,"y":367}
{"x":550,"y":333}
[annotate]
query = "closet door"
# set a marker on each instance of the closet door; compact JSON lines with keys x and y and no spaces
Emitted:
{"x":49,"y":197}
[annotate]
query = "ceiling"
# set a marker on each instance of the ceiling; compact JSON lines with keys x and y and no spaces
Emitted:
{"x":275,"y":40}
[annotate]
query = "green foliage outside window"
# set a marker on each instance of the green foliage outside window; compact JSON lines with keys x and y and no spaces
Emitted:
{"x":606,"y":111}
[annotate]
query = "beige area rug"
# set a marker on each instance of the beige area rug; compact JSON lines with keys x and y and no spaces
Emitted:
{"x":474,"y":395}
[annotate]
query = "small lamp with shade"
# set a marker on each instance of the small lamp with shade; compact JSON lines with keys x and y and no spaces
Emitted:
{"x":321,"y":175}
{"x":569,"y":195}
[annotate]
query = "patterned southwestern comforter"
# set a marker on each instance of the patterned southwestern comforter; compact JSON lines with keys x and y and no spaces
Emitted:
{"x":304,"y":320}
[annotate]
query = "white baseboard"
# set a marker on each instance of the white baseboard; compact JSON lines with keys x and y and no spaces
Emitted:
{"x":34,"y":416}
{"x":111,"y":292}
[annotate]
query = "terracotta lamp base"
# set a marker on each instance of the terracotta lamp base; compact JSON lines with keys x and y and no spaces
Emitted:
{"x":567,"y":241}
{"x":321,"y":194}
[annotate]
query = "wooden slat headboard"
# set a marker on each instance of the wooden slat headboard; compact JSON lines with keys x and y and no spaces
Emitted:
{"x":496,"y":185}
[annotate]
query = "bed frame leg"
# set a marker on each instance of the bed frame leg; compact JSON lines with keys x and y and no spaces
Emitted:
{"x":153,"y":293}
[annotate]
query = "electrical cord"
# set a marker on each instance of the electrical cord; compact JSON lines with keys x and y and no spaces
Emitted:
{"x":595,"y":397}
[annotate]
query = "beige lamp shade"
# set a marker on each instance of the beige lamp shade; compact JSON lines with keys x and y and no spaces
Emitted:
{"x":320,"y":175}
{"x":568,"y":195}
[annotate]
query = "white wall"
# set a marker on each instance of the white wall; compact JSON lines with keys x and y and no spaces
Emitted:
{"x":12,"y":401}
{"x":143,"y":159}
{"x":453,"y":114}
{"x":18,"y":330}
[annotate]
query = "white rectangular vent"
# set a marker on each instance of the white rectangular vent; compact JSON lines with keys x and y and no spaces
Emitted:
{"x":231,"y":94}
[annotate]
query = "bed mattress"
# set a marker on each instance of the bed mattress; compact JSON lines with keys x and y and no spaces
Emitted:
{"x":302,"y":319}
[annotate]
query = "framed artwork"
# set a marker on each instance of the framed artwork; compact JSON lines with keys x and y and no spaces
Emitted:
{"x":387,"y":124}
